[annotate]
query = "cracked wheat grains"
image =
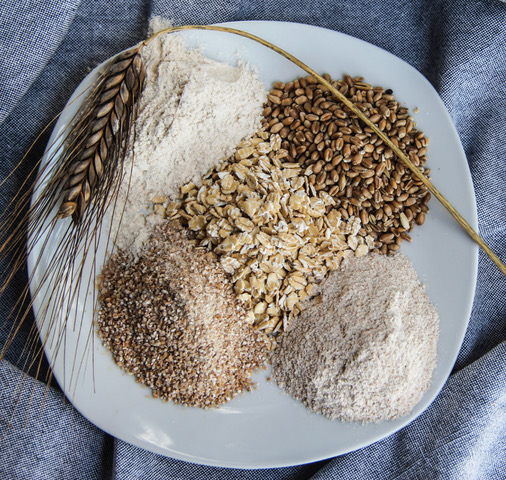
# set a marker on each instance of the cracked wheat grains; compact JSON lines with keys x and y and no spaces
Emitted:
{"x":180,"y":330}
{"x":366,"y":351}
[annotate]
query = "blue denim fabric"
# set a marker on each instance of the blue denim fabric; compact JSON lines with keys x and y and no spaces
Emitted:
{"x":48,"y":46}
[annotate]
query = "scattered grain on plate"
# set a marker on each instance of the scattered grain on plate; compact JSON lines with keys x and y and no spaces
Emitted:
{"x":365,"y":348}
{"x":170,"y":317}
{"x":342,"y":156}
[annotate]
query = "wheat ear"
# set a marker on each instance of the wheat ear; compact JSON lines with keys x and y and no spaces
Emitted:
{"x":98,"y":137}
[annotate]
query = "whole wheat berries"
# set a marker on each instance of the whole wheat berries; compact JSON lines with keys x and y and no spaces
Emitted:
{"x":342,"y":156}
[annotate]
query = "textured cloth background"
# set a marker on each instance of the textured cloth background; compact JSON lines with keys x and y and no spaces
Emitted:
{"x":48,"y":46}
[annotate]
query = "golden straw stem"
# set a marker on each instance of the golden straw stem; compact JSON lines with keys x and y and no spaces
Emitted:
{"x":453,"y":211}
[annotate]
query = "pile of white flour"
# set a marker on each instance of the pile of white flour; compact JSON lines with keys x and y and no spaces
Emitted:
{"x":366,"y":352}
{"x":192,"y":114}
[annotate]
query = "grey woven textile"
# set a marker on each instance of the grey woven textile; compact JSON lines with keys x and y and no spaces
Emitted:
{"x":48,"y":46}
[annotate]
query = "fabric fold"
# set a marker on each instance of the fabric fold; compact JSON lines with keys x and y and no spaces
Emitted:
{"x":36,"y":28}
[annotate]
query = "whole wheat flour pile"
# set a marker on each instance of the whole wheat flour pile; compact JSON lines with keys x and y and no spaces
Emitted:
{"x":193,"y":112}
{"x":366,"y":350}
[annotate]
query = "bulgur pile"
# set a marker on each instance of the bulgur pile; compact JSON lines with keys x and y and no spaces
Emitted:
{"x":170,"y":317}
